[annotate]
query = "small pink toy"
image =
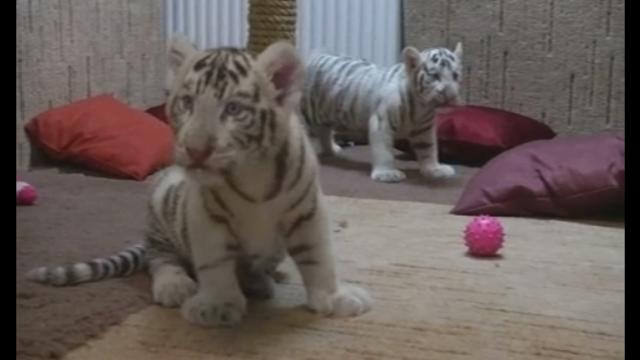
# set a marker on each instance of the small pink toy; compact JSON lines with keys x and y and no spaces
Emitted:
{"x":26,"y":194}
{"x":484,"y":236}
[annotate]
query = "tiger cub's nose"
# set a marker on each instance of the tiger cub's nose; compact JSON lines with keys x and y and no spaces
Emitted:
{"x":199,"y":155}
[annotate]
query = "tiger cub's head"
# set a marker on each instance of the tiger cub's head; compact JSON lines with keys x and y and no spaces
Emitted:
{"x":226,"y":106}
{"x":435,"y":74}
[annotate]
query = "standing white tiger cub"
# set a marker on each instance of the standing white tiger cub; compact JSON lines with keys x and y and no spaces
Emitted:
{"x":348,"y":94}
{"x":244,"y":192}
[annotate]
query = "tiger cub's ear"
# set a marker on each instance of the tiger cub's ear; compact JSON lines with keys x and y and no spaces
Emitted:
{"x":458,"y":51}
{"x":412,"y":58}
{"x":179,"y":50}
{"x":283,"y":67}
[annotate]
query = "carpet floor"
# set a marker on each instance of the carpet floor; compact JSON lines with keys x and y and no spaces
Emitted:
{"x":79,"y":217}
{"x":558,"y":292}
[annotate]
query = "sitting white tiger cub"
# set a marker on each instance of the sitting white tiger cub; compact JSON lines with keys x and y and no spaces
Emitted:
{"x":346,"y":94}
{"x":244,"y":192}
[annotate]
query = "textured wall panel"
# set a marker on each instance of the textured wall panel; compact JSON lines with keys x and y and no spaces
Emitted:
{"x":561,"y":61}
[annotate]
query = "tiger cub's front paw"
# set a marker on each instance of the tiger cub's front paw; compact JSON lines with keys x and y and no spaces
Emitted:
{"x":387,"y":175}
{"x":171,"y":289}
{"x":438,"y":171}
{"x":348,"y":300}
{"x":206,"y":309}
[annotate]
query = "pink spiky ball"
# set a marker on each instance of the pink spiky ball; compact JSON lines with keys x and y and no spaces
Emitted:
{"x":26,"y":194}
{"x":484,"y":236}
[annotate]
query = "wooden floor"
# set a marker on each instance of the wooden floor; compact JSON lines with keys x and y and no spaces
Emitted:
{"x":557,"y":293}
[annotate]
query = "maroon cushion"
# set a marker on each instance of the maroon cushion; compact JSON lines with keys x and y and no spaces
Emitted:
{"x":566,"y":176}
{"x":472,"y":135}
{"x":158,"y":112}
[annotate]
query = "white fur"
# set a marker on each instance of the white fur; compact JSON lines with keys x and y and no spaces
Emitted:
{"x":172,"y":286}
{"x":376,"y":102}
{"x":257,"y":227}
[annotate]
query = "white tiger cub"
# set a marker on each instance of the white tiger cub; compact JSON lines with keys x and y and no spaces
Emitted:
{"x":243,"y":193}
{"x":347,"y":94}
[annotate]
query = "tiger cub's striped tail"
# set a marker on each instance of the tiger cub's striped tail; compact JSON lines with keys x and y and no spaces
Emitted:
{"x":123,"y":263}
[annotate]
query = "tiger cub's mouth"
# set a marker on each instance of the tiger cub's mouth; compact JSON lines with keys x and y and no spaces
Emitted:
{"x":212,"y":164}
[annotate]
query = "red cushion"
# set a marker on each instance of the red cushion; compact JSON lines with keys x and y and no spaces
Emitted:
{"x":475,"y":134}
{"x":472,"y":135}
{"x":158,"y":112}
{"x":104,"y":134}
{"x":566,"y":176}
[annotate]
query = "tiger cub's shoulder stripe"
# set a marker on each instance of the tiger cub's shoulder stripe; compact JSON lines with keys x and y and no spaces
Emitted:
{"x":302,"y":158}
{"x":303,"y":217}
{"x":281,"y":160}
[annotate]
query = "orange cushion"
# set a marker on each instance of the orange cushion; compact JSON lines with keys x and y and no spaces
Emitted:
{"x":104,"y":134}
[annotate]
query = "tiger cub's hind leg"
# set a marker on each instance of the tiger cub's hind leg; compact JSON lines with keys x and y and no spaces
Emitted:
{"x":255,"y":283}
{"x":328,"y":146}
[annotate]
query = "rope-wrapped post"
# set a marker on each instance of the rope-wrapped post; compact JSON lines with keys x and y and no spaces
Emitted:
{"x":270,"y":21}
